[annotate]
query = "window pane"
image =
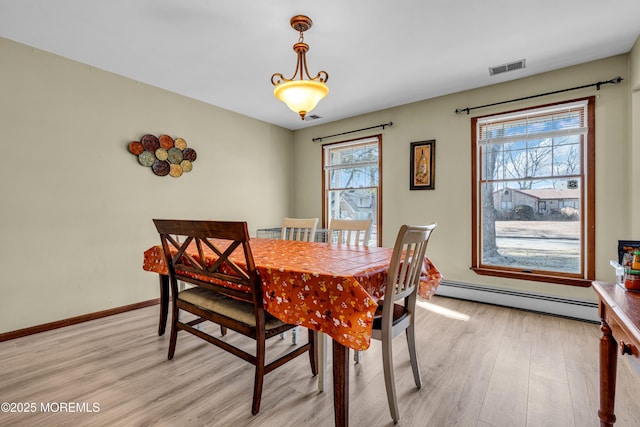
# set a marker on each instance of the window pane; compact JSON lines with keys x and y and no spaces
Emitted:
{"x":355,"y":204}
{"x":566,"y":156}
{"x":365,"y":176}
{"x":536,"y":226}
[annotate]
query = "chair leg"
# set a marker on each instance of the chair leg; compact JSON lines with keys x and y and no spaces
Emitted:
{"x":357,"y":356}
{"x":313,"y":351}
{"x":283,"y":335}
{"x":389,"y":380}
{"x":259,"y":380}
{"x":322,"y":345}
{"x":164,"y":303}
{"x":411,"y":342}
{"x":295,"y":337}
{"x":174,"y":331}
{"x":223,"y":331}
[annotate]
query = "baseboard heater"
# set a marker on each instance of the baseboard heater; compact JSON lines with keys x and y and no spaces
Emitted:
{"x":559,"y":306}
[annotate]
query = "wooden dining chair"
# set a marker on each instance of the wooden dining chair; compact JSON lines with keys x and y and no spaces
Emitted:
{"x":303,"y":229}
{"x":392,"y":318}
{"x":350,"y":231}
{"x":226,"y":291}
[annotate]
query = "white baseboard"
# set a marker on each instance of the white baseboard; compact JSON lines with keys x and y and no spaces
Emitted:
{"x":559,"y":306}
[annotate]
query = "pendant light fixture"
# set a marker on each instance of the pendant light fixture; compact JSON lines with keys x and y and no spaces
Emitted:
{"x":301,"y":95}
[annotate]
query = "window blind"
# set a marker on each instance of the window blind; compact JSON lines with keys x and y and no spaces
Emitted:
{"x":558,"y":121}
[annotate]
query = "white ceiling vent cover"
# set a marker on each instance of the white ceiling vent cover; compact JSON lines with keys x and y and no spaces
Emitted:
{"x":517,"y":65}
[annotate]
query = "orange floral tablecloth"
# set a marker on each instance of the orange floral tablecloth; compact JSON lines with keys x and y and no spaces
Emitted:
{"x":327,"y":287}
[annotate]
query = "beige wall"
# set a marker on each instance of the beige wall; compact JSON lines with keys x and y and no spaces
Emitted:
{"x":450,"y":203}
{"x":76,"y":206}
{"x":634,"y":131}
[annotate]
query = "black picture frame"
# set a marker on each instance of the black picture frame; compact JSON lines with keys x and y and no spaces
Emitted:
{"x":423,"y":165}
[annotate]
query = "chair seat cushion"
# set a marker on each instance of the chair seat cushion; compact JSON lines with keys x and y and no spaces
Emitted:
{"x":229,"y":307}
{"x":399,"y":313}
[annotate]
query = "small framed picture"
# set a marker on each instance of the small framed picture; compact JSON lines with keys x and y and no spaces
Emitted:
{"x":423,"y":166}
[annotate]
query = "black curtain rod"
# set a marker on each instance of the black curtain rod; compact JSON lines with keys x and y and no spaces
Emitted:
{"x":615,"y":80}
{"x":352,"y":131}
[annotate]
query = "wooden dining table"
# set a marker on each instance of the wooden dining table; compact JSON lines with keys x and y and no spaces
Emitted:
{"x":330,"y":288}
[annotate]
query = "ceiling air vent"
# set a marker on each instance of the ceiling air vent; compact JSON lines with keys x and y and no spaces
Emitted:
{"x":517,"y":65}
{"x":311,"y":117}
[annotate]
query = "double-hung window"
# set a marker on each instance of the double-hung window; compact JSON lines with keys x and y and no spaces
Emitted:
{"x":533,"y":183}
{"x":351,"y":182}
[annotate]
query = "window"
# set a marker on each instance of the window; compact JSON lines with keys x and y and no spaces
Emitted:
{"x":542,"y":207}
{"x":351,"y":182}
{"x":533,"y":186}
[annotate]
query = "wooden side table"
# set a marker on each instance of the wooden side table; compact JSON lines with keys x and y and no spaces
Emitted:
{"x":620,"y":314}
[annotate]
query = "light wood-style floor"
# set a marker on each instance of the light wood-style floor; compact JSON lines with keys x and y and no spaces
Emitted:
{"x":481,"y":366}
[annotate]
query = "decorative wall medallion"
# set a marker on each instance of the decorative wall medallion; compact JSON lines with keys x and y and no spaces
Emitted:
{"x":135,"y":147}
{"x":164,"y":155}
{"x":146,"y":158}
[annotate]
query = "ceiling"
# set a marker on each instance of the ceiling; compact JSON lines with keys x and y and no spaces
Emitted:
{"x":379,"y":54}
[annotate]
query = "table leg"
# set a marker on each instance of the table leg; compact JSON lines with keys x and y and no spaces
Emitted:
{"x":608,"y":371}
{"x":322,"y":360}
{"x":340,"y":384}
{"x":164,"y":303}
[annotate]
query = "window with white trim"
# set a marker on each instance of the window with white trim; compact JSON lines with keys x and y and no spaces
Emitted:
{"x":352,"y":184}
{"x":533,"y":186}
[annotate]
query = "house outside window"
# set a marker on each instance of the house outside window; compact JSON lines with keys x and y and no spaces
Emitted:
{"x":352,"y":184}
{"x":533,"y":187}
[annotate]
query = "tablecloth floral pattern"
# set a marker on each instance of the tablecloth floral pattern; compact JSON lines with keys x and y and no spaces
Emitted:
{"x":327,"y":287}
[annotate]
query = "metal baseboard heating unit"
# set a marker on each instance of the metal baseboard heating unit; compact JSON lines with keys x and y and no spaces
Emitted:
{"x":559,"y":306}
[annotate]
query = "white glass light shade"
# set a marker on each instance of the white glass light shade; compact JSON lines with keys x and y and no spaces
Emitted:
{"x":301,"y":96}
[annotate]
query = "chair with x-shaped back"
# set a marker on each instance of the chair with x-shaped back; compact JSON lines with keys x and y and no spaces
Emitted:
{"x":216,"y":258}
